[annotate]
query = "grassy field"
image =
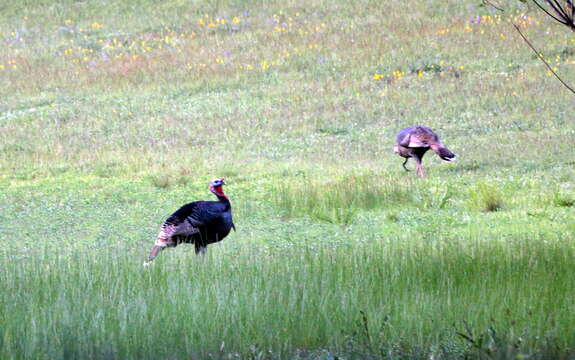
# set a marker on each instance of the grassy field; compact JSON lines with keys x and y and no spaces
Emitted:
{"x":113,"y":114}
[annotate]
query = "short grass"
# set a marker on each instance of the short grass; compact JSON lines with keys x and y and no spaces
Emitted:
{"x":113,"y":114}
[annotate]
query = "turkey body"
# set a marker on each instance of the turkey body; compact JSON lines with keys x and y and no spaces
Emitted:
{"x":415,"y":141}
{"x":200,"y":223}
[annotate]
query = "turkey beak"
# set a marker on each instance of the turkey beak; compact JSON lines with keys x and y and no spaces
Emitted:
{"x":223,"y":182}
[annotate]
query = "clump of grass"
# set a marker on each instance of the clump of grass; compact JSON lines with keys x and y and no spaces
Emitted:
{"x":335,"y":215}
{"x":563,"y":200}
{"x":493,"y":344}
{"x":435,"y":197}
{"x":337,"y":200}
{"x":105,"y":170}
{"x":183,"y":180}
{"x":486,"y":198}
{"x":171,"y":179}
{"x":392,"y":217}
{"x":425,"y":65}
{"x":161,"y":181}
{"x":333,"y":131}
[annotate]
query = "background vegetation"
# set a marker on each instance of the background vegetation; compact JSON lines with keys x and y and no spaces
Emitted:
{"x":114,"y":113}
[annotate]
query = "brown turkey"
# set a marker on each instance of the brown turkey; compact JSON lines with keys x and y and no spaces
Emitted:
{"x":414,"y":141}
{"x":200,"y":223}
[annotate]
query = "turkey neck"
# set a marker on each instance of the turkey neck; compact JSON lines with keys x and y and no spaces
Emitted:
{"x":218,"y":191}
{"x":223,"y":198}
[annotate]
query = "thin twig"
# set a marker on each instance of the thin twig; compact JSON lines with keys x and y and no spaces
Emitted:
{"x":543,"y":59}
{"x":566,"y":20}
{"x":493,"y":5}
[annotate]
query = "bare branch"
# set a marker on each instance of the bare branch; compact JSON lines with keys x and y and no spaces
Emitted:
{"x":543,"y":59}
{"x":558,"y":9}
{"x":564,"y":14}
{"x":551,"y":15}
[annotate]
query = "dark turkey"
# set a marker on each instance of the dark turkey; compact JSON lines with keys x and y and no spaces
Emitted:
{"x":200,"y":223}
{"x":415,"y":141}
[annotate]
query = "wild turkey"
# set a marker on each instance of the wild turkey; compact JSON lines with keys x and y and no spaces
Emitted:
{"x":199,"y":222}
{"x":414,"y":141}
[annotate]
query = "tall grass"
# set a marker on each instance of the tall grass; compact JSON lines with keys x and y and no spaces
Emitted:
{"x":337,"y":199}
{"x":411,"y":294}
{"x":564,"y":200}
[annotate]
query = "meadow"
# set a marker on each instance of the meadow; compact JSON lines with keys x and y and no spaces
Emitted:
{"x":113,"y":114}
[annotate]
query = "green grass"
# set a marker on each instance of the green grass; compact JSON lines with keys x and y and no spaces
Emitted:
{"x":486,"y":198}
{"x":337,"y":200}
{"x":113,"y":114}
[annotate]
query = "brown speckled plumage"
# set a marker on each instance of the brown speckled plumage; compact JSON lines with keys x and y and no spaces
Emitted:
{"x":415,"y":141}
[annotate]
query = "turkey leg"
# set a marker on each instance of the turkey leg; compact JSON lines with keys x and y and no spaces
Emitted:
{"x":200,"y":249}
{"x":405,"y":162}
{"x":419,"y":167}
